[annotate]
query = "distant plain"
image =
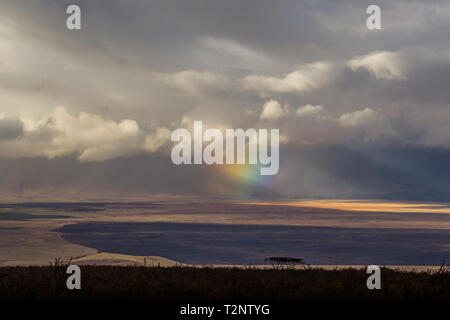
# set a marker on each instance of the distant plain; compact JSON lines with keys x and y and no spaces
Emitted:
{"x":228,"y":232}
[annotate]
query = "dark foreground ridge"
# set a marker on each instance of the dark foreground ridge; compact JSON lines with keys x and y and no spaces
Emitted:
{"x":218,"y":284}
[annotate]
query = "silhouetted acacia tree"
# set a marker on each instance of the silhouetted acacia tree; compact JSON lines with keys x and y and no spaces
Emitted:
{"x":284,"y":262}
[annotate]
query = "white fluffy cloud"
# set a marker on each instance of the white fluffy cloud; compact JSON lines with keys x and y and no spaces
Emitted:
{"x":194,"y":82}
{"x":357,"y":118}
{"x":306,"y":78}
{"x":308,"y":110}
{"x":272,"y":110}
{"x":89,"y":137}
{"x":381,"y":64}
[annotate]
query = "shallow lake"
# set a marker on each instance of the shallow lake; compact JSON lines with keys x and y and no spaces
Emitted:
{"x":196,"y":243}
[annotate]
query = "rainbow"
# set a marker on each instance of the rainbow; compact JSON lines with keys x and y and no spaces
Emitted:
{"x":243,"y":178}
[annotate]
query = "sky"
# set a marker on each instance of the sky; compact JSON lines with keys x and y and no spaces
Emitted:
{"x":87,"y":114}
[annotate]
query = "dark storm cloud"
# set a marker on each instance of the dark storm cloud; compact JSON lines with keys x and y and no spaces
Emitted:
{"x":368,"y":172}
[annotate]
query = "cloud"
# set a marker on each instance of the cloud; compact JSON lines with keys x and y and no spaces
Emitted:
{"x":155,"y":141}
{"x":229,"y":47}
{"x":306,"y":78}
{"x":10,"y":128}
{"x":357,"y":118}
{"x":381,"y":64}
{"x":194,"y":82}
{"x":308,"y":110}
{"x":88,"y":137}
{"x":272,"y":110}
{"x":227,"y":54}
{"x":127,"y":67}
{"x":91,"y":136}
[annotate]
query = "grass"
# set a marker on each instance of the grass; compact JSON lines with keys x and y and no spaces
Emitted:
{"x":218,"y":284}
